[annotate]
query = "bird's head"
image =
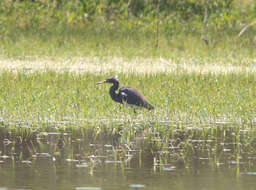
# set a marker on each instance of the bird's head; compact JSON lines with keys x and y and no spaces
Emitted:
{"x":113,"y":79}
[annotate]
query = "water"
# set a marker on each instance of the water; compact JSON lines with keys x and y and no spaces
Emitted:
{"x":192,"y":158}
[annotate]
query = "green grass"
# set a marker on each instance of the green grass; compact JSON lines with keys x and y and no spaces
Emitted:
{"x":184,"y":95}
{"x":204,"y":94}
{"x":51,"y":97}
{"x":197,"y":116}
{"x":104,"y":40}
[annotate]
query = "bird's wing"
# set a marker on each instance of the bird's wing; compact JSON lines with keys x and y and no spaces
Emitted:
{"x":131,"y":95}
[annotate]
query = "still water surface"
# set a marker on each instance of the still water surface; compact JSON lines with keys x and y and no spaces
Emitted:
{"x":210,"y":158}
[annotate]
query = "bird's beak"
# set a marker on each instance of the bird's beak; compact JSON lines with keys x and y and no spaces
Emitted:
{"x":101,"y":82}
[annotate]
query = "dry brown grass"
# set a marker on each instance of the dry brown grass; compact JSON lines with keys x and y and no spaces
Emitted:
{"x":119,"y":65}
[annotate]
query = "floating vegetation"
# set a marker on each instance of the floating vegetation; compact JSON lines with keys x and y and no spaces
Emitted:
{"x":136,"y":186}
{"x":88,"y":188}
{"x":251,"y":173}
{"x":85,"y":155}
{"x":82,"y":165}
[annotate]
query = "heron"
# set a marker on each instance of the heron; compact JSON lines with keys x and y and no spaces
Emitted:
{"x":126,"y":94}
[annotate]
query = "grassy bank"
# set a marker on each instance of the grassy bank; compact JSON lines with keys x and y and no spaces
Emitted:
{"x":96,"y":41}
{"x":50,"y":97}
{"x":191,"y":65}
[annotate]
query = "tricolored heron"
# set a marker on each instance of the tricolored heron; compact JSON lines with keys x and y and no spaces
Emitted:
{"x":126,"y":94}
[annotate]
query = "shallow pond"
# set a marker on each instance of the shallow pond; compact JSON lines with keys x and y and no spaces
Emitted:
{"x":219,"y":157}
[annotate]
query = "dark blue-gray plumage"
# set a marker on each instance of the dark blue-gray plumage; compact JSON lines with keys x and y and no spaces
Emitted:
{"x":126,"y":94}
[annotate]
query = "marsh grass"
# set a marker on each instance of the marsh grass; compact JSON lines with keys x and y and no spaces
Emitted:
{"x":48,"y":77}
{"x":48,"y":97}
{"x":103,"y":40}
{"x":203,"y":93}
{"x":214,"y":146}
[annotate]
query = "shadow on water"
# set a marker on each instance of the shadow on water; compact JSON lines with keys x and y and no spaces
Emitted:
{"x":211,"y":157}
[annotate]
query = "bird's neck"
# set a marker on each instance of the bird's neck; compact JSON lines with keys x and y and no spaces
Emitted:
{"x":113,"y":93}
